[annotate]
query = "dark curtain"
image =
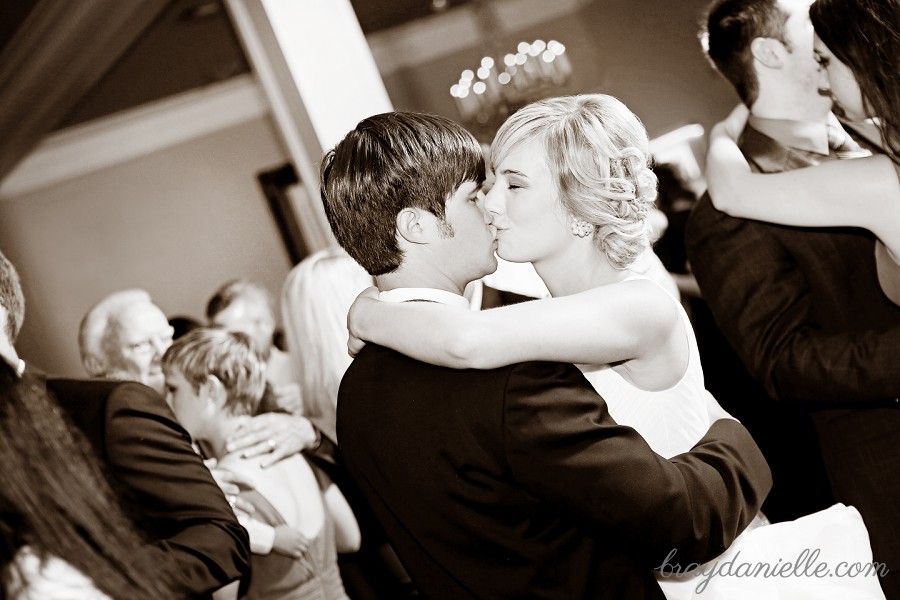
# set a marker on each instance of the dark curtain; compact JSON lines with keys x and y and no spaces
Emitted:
{"x":60,"y":50}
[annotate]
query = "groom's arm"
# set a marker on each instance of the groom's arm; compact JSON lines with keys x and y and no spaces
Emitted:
{"x":564,"y":447}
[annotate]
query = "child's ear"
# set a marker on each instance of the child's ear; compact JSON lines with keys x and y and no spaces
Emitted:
{"x":216,"y":392}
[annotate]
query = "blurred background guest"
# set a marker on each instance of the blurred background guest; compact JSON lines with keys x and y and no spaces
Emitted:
{"x":675,"y":199}
{"x":183,"y":324}
{"x":123,"y":337}
{"x":315,"y":299}
{"x":858,"y":68}
{"x":240,"y":305}
{"x":802,"y":307}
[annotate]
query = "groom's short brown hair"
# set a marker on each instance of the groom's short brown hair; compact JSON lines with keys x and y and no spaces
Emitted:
{"x":389,"y":162}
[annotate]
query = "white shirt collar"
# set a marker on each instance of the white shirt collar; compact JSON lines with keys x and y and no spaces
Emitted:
{"x":427,"y":294}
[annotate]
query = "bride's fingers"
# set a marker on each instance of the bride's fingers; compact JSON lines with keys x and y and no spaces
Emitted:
{"x":354,"y":345}
{"x":735,"y":122}
{"x":369,"y":292}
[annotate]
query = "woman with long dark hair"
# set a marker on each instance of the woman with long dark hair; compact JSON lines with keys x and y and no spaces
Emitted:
{"x":62,"y":533}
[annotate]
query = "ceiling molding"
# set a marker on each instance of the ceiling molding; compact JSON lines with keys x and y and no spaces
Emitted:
{"x":416,"y":43}
{"x":134,"y":133}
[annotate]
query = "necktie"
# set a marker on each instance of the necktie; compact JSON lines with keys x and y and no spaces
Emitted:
{"x":840,"y":142}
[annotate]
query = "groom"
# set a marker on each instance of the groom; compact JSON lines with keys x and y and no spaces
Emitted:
{"x":514,"y":482}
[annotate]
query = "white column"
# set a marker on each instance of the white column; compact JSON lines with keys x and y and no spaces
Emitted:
{"x":319,"y":76}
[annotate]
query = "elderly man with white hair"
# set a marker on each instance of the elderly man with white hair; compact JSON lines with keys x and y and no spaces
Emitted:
{"x":123,"y":337}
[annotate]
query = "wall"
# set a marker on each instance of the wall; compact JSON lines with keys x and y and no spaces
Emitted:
{"x":645,"y":52}
{"x":176,"y":222}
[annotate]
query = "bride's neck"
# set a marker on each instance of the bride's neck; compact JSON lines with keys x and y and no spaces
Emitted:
{"x":579,"y":268}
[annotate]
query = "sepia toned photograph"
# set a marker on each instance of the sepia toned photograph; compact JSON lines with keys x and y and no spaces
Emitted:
{"x":450,"y":299}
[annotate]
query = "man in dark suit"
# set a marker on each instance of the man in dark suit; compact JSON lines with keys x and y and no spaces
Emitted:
{"x":802,"y":307}
{"x":162,"y":483}
{"x":514,"y":482}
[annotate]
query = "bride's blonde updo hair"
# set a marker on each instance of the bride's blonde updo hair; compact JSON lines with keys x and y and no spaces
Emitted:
{"x":598,"y":154}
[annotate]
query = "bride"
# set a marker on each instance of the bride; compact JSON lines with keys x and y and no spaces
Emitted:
{"x":572,"y":193}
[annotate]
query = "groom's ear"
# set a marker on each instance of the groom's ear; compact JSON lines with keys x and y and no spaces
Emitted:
{"x":412,"y":225}
{"x":768,"y":51}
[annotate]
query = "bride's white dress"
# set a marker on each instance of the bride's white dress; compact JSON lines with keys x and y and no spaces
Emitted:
{"x":672,"y":421}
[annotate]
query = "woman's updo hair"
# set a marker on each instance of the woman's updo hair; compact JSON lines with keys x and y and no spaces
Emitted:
{"x":598,"y":153}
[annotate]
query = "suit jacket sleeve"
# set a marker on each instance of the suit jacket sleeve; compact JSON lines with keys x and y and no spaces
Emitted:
{"x":181,"y":505}
{"x":563,"y":446}
{"x":762,"y":303}
{"x":326,"y":455}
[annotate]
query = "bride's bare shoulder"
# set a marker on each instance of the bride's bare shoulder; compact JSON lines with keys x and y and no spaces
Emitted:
{"x":647,"y":303}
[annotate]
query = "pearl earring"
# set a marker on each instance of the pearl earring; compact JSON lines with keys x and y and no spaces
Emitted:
{"x":580,"y":228}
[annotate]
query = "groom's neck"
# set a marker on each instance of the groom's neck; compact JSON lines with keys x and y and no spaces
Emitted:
{"x":418,"y":278}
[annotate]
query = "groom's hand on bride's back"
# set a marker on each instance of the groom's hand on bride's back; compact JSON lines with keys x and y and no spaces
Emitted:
{"x":355,"y":318}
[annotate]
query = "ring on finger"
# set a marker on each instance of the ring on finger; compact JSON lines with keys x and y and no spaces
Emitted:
{"x":271,"y":443}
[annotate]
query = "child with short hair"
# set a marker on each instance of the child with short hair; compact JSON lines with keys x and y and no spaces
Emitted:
{"x":215,"y":381}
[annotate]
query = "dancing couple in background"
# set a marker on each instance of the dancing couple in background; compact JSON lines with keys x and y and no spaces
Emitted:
{"x":858,"y":69}
{"x":801,"y":291}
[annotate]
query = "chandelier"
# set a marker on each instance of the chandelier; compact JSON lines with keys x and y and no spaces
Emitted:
{"x":486,"y":96}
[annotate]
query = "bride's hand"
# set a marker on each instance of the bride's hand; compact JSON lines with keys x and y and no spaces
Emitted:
{"x":726,"y":167}
{"x":356,"y":343}
{"x":734,"y":123}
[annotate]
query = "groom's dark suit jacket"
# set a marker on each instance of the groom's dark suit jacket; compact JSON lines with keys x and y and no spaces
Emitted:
{"x":162,"y":483}
{"x":803,"y":309}
{"x":516,"y":482}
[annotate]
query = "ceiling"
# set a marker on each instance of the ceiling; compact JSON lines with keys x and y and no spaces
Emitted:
{"x":375,"y":15}
{"x":191,"y":44}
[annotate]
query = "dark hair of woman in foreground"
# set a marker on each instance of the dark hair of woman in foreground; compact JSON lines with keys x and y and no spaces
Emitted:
{"x":55,"y":501}
{"x":865,"y":36}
